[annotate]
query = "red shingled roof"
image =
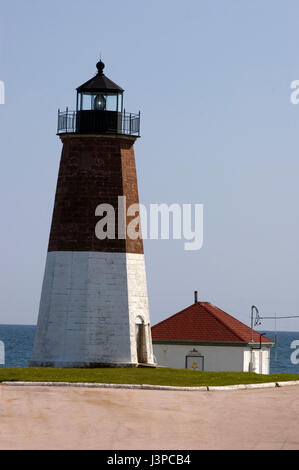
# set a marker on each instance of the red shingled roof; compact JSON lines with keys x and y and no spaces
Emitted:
{"x":203,"y":321}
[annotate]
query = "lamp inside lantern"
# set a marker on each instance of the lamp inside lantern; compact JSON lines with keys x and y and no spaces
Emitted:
{"x":99,"y":102}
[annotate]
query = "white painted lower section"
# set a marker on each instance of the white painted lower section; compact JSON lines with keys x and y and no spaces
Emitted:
{"x":215,"y":358}
{"x":88,"y":309}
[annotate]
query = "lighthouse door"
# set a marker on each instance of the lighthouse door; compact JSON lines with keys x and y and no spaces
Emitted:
{"x":141,"y":341}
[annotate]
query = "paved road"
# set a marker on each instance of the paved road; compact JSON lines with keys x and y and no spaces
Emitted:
{"x":79,"y":418}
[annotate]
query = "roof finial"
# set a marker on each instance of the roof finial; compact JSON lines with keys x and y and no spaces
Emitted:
{"x":100,"y":67}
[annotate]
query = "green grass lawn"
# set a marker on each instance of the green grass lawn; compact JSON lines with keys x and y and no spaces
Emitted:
{"x":159,"y":376}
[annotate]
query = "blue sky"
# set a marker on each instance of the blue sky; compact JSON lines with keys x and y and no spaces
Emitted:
{"x":212,"y":81}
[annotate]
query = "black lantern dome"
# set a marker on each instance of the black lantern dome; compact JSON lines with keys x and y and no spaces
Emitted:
{"x":100,"y":93}
{"x":100,"y":82}
{"x":100,"y":108}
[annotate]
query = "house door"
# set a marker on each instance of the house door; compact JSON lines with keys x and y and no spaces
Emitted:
{"x":260,"y":362}
{"x":257,"y":359}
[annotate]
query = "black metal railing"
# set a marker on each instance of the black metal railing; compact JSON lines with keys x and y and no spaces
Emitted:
{"x":66,"y":121}
{"x":98,"y":122}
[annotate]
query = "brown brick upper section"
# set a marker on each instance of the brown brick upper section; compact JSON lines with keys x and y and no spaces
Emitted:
{"x":93,"y":170}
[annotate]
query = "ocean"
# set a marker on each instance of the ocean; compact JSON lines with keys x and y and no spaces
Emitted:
{"x":18,"y":341}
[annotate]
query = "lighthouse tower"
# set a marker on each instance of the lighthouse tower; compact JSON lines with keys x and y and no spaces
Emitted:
{"x":94,"y":304}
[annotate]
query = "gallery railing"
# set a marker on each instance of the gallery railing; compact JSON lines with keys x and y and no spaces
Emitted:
{"x":98,"y":122}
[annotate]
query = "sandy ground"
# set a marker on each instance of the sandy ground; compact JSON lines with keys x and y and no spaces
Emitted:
{"x":79,"y":418}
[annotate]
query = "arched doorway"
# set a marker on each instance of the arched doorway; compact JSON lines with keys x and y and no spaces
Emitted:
{"x":141,"y":340}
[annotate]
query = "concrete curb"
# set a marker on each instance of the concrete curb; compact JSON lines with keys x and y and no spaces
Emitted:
{"x":154,"y":387}
{"x":226,"y":387}
{"x":262,"y":385}
{"x":290,"y":382}
{"x":102,"y":385}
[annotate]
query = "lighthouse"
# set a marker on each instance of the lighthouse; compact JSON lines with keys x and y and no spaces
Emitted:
{"x":94,"y":303}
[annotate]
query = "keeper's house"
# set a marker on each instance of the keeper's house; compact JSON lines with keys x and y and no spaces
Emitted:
{"x":204,"y":337}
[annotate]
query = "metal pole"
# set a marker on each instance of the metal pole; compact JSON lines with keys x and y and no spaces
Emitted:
{"x":253,"y":307}
{"x":275,"y":356}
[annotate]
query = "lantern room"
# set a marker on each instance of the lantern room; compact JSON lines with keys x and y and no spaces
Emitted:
{"x":99,"y":109}
{"x":100,"y":94}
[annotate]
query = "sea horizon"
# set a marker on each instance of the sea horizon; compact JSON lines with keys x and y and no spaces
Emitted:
{"x":18,"y":340}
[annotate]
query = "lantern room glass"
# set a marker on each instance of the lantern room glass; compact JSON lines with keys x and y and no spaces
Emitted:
{"x":100,"y":101}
